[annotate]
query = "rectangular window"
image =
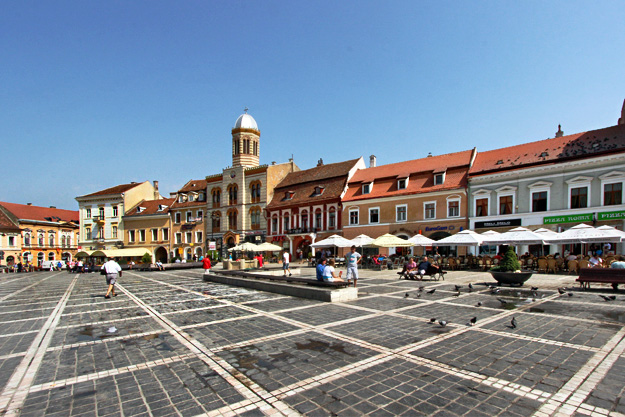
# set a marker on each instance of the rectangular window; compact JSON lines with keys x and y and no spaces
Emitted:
{"x":318,"y":220}
{"x":101,"y":211}
{"x":114,"y":232}
{"x":430,"y":210}
{"x":142,"y":235}
{"x":189,"y":216}
{"x":453,"y":209}
{"x":374,"y":215}
{"x":131,"y":236}
{"x":115,"y":211}
{"x":178,"y":238}
{"x":481,"y":207}
{"x":401,"y":213}
{"x":438,"y":179}
{"x":198,"y":237}
{"x":177,"y":217}
{"x":274,"y":225}
{"x":366,"y":188}
{"x":11,"y":240}
{"x":166,"y":234}
{"x":88,"y":213}
{"x":613,"y":194}
{"x":286,"y":224}
{"x":401,"y":184}
{"x":154,"y":235}
{"x":189,"y":237}
{"x":579,"y":197}
{"x":539,"y":201}
{"x":332,"y":220}
{"x":505,"y":204}
{"x":87,"y":233}
{"x":200,"y":215}
{"x":353,"y":217}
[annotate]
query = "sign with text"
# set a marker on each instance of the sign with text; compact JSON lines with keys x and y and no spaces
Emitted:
{"x":498,"y":223}
{"x":611,"y":215}
{"x":576,"y":218}
{"x":212,"y":245}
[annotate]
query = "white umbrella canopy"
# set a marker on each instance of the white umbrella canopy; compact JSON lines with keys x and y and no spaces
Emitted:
{"x":490,"y":233}
{"x":612,"y":230}
{"x":546,"y":233}
{"x":361,"y":240}
{"x":583,"y":233}
{"x":420,"y":240}
{"x":245,"y":247}
{"x":463,"y":238}
{"x":516,"y":236}
{"x":391,"y":241}
{"x":333,"y":241}
{"x":268,"y":247}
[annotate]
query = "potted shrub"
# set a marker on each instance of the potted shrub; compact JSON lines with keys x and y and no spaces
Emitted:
{"x":509,"y":270}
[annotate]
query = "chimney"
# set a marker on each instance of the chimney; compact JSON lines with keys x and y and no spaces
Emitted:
{"x":320,"y":162}
{"x":559,"y":133}
{"x":156,"y":185}
{"x":372,"y":161}
{"x":52,"y":206}
{"x":429,"y":154}
{"x":621,"y":121}
{"x":29,"y":204}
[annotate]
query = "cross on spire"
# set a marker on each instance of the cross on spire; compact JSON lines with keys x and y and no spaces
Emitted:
{"x":245,"y":109}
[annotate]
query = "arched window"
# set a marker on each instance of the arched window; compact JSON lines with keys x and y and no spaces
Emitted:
{"x":232,"y":194}
{"x":216,"y":193}
{"x":274,"y":225}
{"x":40,"y":239}
{"x":63,"y":241}
{"x":255,"y":187}
{"x":27,"y":239}
{"x":332,"y":218}
{"x":318,"y":219}
{"x":232,"y":219}
{"x":216,"y":221}
{"x":51,"y":239}
{"x":40,"y":257}
{"x":255,"y":218}
{"x":51,"y":256}
{"x":304,"y":220}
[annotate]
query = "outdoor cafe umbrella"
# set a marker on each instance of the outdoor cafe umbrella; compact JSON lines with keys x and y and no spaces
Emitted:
{"x":546,"y":233}
{"x":391,"y":241}
{"x":361,"y":240}
{"x":245,"y":247}
{"x":334,"y":241}
{"x":268,"y":247}
{"x":463,"y":238}
{"x":420,"y":240}
{"x":516,"y":236}
{"x":612,"y":230}
{"x":583,"y":233}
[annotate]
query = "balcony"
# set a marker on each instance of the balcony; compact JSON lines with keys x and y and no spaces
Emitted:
{"x":98,"y":219}
{"x":301,"y":230}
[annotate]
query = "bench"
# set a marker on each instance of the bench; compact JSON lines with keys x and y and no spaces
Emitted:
{"x":307,"y":281}
{"x":433,"y":273}
{"x":612,"y":276}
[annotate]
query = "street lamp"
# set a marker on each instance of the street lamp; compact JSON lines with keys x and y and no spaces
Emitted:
{"x":214,"y":216}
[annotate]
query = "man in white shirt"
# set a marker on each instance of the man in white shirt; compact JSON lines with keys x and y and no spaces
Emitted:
{"x":285,"y":262}
{"x":112,"y":270}
{"x":352,"y":259}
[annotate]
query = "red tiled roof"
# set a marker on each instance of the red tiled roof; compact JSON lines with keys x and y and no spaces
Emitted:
{"x":193,"y":185}
{"x":318,"y":173}
{"x":416,"y":166}
{"x":151,"y":207}
{"x":332,"y":177}
{"x":570,"y":147}
{"x":6,"y":225}
{"x":118,"y":189}
{"x":44,"y":214}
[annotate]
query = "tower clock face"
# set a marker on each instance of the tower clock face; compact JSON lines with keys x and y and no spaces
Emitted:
{"x":232,"y":174}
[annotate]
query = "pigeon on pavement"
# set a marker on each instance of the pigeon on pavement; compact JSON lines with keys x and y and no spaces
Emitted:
{"x":473,"y":320}
{"x":431,"y":291}
{"x":443,"y":323}
{"x":513,"y":323}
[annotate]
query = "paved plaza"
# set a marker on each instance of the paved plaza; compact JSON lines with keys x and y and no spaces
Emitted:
{"x":171,"y":344}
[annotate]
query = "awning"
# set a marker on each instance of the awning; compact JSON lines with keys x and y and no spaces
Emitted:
{"x":83,"y":254}
{"x":130,"y":252}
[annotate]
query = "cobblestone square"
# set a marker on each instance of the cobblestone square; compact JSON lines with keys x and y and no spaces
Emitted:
{"x":172,"y":345}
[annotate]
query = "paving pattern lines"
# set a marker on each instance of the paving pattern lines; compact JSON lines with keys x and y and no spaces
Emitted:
{"x":21,"y":289}
{"x":572,"y":395}
{"x":16,"y":389}
{"x":246,"y":387}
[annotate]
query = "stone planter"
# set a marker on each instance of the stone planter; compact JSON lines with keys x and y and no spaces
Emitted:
{"x":511,"y":278}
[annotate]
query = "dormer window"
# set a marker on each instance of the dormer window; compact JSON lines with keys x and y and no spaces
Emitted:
{"x":366,"y":188}
{"x":161,"y":207}
{"x":140,"y":209}
{"x":182,"y":198}
{"x":289,"y":195}
{"x":318,"y":191}
{"x":402,"y":183}
{"x":439,"y":178}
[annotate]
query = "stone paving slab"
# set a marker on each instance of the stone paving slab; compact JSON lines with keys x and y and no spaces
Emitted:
{"x":173,"y":345}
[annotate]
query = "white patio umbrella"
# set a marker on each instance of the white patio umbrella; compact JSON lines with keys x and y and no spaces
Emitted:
{"x":391,"y":241}
{"x":546,"y":233}
{"x":490,"y":233}
{"x":361,"y":240}
{"x":420,"y":240}
{"x":245,"y":247}
{"x":583,"y":233}
{"x":463,"y":238}
{"x":516,"y":236}
{"x":335,"y":241}
{"x":268,"y":247}
{"x":613,"y":230}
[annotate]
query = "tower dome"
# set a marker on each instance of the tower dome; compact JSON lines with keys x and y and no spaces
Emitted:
{"x":245,"y":121}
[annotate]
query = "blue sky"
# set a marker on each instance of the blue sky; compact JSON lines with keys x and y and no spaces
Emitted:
{"x":99,"y":93}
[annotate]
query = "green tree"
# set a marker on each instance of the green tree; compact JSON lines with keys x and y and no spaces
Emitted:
{"x":509,"y":263}
{"x":147,"y":258}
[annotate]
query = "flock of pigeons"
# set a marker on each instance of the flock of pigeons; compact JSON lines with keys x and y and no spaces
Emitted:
{"x":494,"y":290}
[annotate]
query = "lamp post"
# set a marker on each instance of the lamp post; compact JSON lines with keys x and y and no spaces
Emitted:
{"x":214,"y":216}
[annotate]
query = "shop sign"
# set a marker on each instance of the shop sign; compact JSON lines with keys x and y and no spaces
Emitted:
{"x":498,"y":223}
{"x":576,"y":218}
{"x":611,"y":215}
{"x":212,"y":245}
{"x":437,"y":228}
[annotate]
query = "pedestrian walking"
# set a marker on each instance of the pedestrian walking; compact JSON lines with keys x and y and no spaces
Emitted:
{"x":206,"y":264}
{"x":285,"y":262}
{"x":352,"y":259}
{"x":112,"y":271}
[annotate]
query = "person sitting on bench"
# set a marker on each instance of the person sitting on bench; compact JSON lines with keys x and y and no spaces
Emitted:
{"x":410,"y":269}
{"x":321,"y":265}
{"x":329,"y":275}
{"x":423,"y":267}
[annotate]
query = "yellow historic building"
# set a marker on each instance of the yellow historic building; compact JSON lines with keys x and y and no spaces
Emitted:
{"x":148,"y":229}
